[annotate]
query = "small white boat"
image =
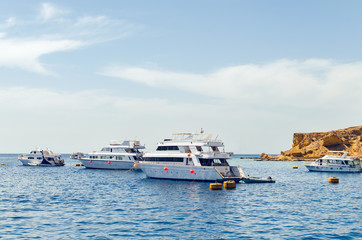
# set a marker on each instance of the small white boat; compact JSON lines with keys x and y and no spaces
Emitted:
{"x":116,"y":155}
{"x":39,"y":157}
{"x":76,"y":155}
{"x":193,"y":157}
{"x":335,"y":163}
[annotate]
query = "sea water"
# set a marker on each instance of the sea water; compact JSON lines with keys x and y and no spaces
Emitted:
{"x":73,"y":202}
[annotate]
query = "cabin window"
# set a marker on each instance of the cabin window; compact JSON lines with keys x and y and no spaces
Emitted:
{"x":213,"y":162}
{"x":31,"y":157}
{"x":131,"y":150}
{"x":215,"y":149}
{"x":167,"y":148}
{"x":187,"y":149}
{"x":199,"y":148}
{"x":38,"y":157}
{"x":164,"y":159}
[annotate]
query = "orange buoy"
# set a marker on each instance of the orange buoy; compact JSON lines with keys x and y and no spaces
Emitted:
{"x":135,"y":165}
{"x":215,"y":186}
{"x":229,"y":184}
{"x":333,"y":180}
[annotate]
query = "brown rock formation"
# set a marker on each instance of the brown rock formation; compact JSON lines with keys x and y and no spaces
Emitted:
{"x":317,"y":144}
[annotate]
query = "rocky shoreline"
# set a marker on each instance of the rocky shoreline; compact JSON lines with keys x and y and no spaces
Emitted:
{"x":311,"y":146}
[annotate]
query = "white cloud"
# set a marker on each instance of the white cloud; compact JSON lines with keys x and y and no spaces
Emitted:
{"x":25,"y":53}
{"x":49,"y":11}
{"x":86,"y":119}
{"x":286,"y":82}
{"x":23,"y":42}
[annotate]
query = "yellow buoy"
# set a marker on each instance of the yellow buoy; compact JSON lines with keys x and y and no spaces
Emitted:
{"x":215,"y":186}
{"x":333,"y":180}
{"x":78,"y":164}
{"x":82,"y":164}
{"x":229,"y":184}
{"x":295,"y":167}
{"x":3,"y":164}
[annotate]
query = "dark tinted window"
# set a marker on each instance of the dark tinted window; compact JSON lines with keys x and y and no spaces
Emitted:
{"x":164,"y":159}
{"x":167,"y":148}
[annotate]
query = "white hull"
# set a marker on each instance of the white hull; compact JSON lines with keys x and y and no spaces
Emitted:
{"x":107,"y":164}
{"x":322,"y":168}
{"x":30,"y":162}
{"x":35,"y":162}
{"x":179,"y":172}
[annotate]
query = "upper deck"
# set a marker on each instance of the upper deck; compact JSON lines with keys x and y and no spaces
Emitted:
{"x":192,"y":139}
{"x":201,"y":145}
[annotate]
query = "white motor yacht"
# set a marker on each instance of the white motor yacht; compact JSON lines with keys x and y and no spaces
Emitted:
{"x":116,"y":155}
{"x":39,"y":157}
{"x":187,"y":156}
{"x":336,"y":163}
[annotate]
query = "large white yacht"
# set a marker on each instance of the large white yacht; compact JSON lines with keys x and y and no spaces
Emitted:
{"x":335,"y":163}
{"x":116,"y":155}
{"x":39,"y":157}
{"x":187,"y":156}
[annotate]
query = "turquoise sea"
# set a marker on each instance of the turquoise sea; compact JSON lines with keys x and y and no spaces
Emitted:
{"x":76,"y":203}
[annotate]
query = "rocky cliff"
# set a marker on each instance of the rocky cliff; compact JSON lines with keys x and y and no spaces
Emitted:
{"x":317,"y":144}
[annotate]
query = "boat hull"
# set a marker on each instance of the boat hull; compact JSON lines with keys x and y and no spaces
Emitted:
{"x":34,"y":162}
{"x":318,"y":168}
{"x":107,"y":164}
{"x":187,"y":173}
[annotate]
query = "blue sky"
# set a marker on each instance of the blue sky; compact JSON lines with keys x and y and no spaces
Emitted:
{"x":76,"y":74}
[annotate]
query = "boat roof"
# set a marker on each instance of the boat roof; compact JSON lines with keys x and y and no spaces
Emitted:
{"x":126,"y":144}
{"x":198,"y":139}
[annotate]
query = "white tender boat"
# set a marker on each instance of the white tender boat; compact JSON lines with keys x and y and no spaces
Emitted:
{"x":114,"y":156}
{"x":335,"y":163}
{"x":187,"y":156}
{"x":39,"y":157}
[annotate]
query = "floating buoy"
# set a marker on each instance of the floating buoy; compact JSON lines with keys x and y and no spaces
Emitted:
{"x":135,"y":165}
{"x":166,"y":169}
{"x":82,"y":164}
{"x":90,"y":161}
{"x":295,"y":167}
{"x":109,"y":162}
{"x":78,"y":164}
{"x":333,"y":180}
{"x":215,"y":186}
{"x":229,"y":184}
{"x":3,"y":164}
{"x":192,"y":171}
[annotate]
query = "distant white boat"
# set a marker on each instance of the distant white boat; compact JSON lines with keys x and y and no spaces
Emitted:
{"x":116,"y":155}
{"x":187,"y":156}
{"x":335,"y":163}
{"x":76,"y":155}
{"x":39,"y":157}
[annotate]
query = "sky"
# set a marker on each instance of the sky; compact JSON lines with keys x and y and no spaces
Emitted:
{"x":75,"y":75}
